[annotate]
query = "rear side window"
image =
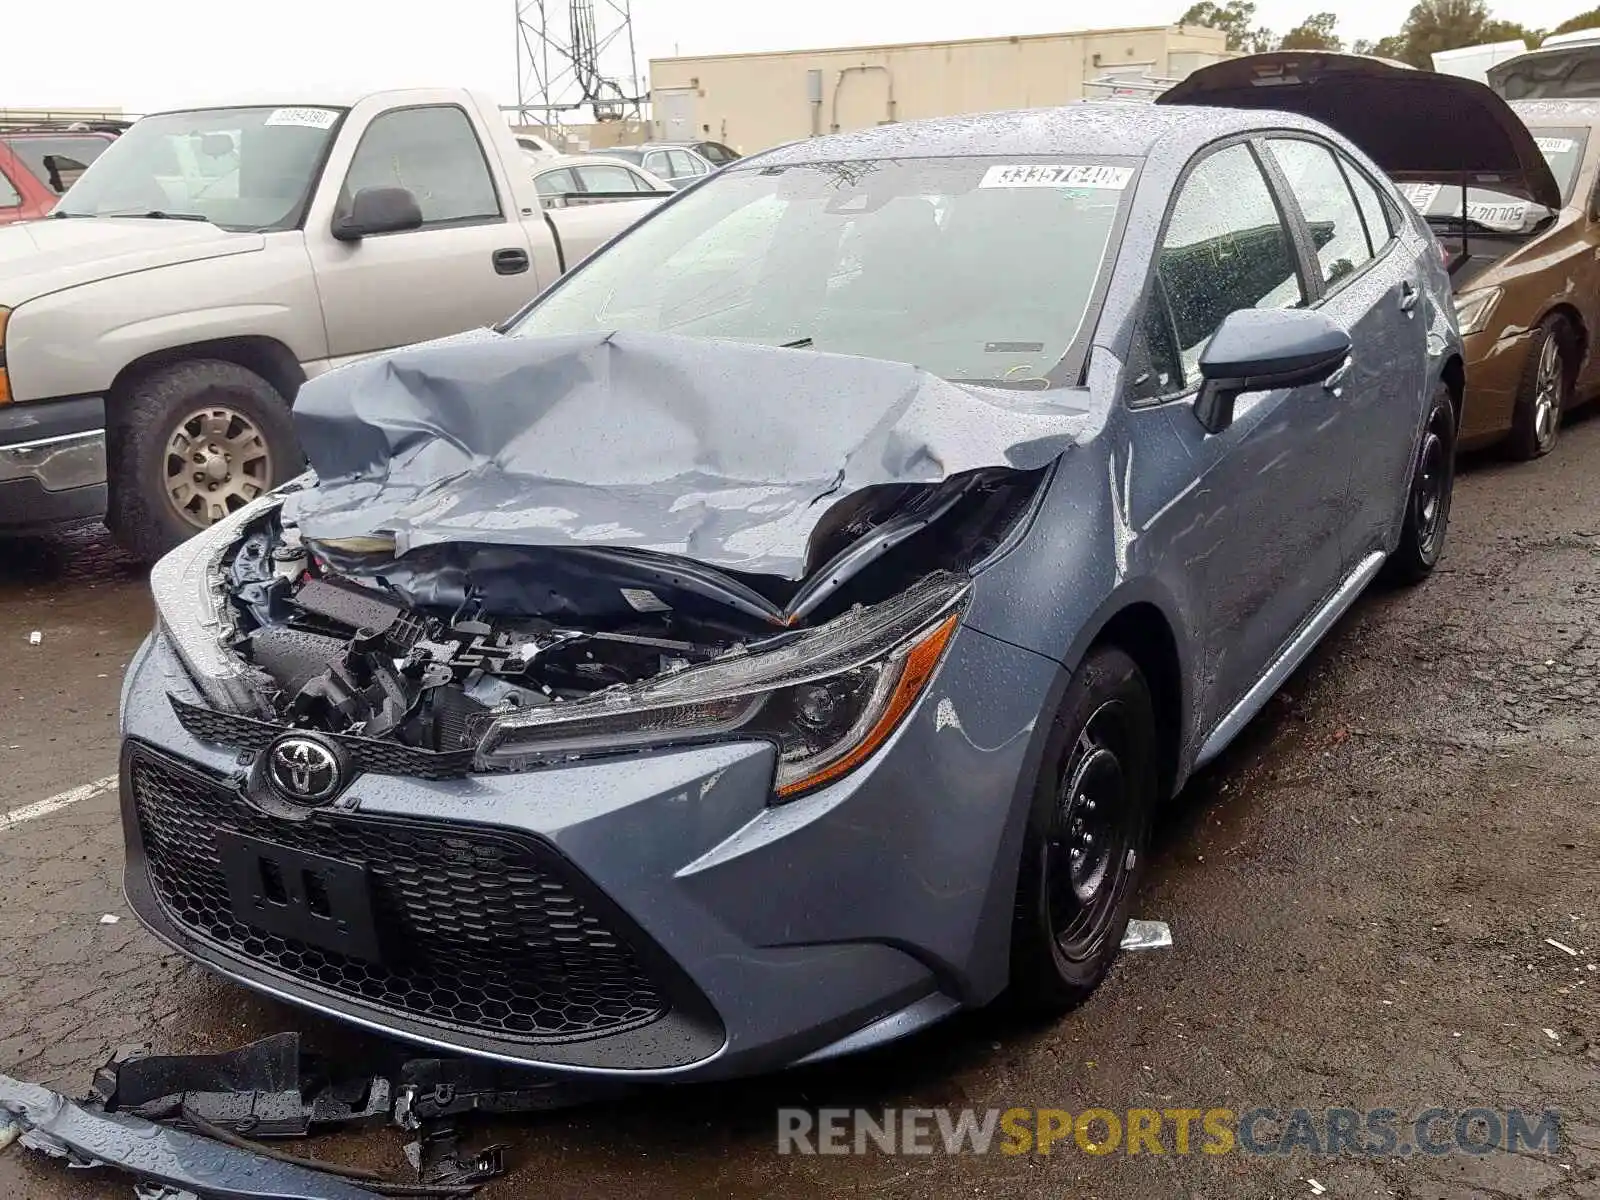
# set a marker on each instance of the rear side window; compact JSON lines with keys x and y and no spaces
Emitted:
{"x":1225,"y":248}
{"x":434,"y":153}
{"x":1330,"y":209}
{"x":1380,"y":229}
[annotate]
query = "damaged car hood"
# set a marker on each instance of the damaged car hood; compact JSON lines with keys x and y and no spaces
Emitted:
{"x":729,"y":454}
{"x":1413,"y":124}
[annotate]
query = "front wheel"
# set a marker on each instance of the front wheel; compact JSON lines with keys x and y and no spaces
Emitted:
{"x":195,"y":441}
{"x":1546,"y":389}
{"x":1088,"y":830}
{"x":1428,"y":497}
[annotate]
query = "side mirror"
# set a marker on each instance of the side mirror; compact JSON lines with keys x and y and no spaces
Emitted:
{"x":1257,"y":349}
{"x":378,"y":210}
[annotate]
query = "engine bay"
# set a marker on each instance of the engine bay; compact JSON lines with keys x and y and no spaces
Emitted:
{"x":348,"y":657}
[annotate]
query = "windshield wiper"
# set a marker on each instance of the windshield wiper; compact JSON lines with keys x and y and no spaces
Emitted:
{"x":59,"y":215}
{"x":798,"y":344}
{"x":155,"y":214}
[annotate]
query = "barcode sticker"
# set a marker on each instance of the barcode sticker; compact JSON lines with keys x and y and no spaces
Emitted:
{"x":1026,"y":175}
{"x":305,"y":118}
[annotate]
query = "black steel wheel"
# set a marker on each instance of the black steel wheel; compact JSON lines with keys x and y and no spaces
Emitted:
{"x":1088,"y":830}
{"x":1428,"y":497}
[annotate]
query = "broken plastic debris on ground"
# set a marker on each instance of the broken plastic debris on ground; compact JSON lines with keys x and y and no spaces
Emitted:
{"x":1146,"y":935}
{"x":177,"y":1123}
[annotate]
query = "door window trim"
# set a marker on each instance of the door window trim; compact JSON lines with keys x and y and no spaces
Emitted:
{"x":429,"y":226}
{"x":1291,"y":221}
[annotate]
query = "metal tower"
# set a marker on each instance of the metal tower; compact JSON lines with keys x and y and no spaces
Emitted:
{"x":570,"y":58}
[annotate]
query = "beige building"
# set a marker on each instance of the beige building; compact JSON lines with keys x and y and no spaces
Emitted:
{"x":753,"y":101}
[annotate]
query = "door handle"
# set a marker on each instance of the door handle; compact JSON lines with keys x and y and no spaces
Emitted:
{"x":1408,"y":296}
{"x":1335,"y":383}
{"x":510,"y":262}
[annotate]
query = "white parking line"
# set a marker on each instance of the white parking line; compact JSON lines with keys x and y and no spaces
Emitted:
{"x":43,"y":808}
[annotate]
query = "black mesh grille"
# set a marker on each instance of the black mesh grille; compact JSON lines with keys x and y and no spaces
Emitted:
{"x":481,"y":930}
{"x":367,"y":754}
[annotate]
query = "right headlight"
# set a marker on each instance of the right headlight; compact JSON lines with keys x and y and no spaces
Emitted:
{"x":827,"y":697}
{"x":1473,"y":309}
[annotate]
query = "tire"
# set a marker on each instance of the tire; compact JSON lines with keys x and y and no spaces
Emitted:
{"x":1102,"y":753}
{"x":235,"y":433}
{"x":1546,"y":389}
{"x":1429,"y":493}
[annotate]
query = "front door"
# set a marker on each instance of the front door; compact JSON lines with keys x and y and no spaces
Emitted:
{"x":1260,"y":522}
{"x":460,"y":270}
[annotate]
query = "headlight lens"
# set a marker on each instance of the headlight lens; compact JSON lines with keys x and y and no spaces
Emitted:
{"x":828,"y":697}
{"x":1473,"y":309}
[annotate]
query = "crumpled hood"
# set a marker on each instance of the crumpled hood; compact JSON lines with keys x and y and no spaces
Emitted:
{"x":726,"y":453}
{"x":55,"y":253}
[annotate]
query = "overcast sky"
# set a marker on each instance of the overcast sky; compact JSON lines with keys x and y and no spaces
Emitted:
{"x":151,"y":54}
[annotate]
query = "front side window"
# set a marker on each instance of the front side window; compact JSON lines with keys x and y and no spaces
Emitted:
{"x":239,"y":168}
{"x":684,"y":163}
{"x":1225,"y":248}
{"x":9,"y":196}
{"x":1330,"y":210}
{"x":972,"y":268}
{"x":434,"y":154}
{"x":607,"y":177}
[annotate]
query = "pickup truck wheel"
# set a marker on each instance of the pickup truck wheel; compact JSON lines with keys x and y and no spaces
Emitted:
{"x":1087,"y":833}
{"x":197,"y":441}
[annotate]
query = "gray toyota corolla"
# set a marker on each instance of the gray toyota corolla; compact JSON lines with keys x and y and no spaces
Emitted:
{"x":782,"y":633}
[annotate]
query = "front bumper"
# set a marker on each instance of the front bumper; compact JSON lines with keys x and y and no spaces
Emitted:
{"x":771,"y":934}
{"x":1495,"y":366}
{"x":52,"y":462}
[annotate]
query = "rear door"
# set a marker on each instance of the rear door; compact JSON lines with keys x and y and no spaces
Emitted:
{"x":1369,"y":286}
{"x":1261,"y":523}
{"x":466,"y":266}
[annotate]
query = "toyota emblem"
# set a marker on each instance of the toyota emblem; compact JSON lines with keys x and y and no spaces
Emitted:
{"x":304,"y":770}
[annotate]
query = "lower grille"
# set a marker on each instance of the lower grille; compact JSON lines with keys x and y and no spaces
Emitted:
{"x":482,"y":930}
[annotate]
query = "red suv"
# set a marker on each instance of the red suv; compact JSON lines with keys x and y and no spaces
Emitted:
{"x":38,"y":163}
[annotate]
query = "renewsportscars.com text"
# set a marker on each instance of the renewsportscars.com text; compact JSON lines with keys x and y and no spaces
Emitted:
{"x":1378,"y":1132}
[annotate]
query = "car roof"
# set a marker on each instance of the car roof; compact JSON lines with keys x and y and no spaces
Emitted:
{"x":1103,"y":129}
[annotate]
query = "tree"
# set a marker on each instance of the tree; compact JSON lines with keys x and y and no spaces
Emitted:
{"x":1316,"y":32}
{"x":1236,"y":18}
{"x":1588,"y":20}
{"x":1434,"y":25}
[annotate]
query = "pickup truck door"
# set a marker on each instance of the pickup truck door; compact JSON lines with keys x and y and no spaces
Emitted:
{"x":467,"y":266}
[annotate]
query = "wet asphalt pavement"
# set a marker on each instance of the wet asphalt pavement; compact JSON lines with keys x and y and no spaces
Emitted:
{"x":1360,"y":894}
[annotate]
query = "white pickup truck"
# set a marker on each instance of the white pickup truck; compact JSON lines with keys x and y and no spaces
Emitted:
{"x":155,"y":328}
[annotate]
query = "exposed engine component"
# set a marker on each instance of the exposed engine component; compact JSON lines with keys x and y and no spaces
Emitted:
{"x":349,"y":657}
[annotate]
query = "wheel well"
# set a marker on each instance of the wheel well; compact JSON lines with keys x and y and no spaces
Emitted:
{"x":1455,"y":378}
{"x":1574,"y":319}
{"x":267,"y":357}
{"x":1141,"y":631}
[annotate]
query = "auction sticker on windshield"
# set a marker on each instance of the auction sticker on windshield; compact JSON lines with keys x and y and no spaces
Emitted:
{"x":305,"y":118}
{"x":1554,"y":145}
{"x":1025,"y":175}
{"x":1498,"y":216}
{"x":1420,"y":195}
